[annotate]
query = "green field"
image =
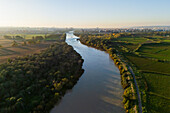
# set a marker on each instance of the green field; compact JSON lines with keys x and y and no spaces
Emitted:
{"x":159,"y":51}
{"x":134,"y":40}
{"x":154,"y":72}
{"x":145,"y":64}
{"x":157,"y":104}
{"x":131,"y":47}
{"x":149,"y":56}
{"x":166,"y":40}
{"x":155,"y":80}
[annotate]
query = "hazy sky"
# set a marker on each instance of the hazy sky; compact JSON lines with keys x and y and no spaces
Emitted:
{"x":84,"y":13}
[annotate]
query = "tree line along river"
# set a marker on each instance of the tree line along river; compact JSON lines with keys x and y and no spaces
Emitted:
{"x":99,"y":89}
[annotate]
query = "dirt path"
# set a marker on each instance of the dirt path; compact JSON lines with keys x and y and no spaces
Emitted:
{"x":137,"y":89}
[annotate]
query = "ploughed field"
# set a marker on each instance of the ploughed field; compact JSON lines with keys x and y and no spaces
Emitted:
{"x":24,"y":45}
{"x":149,"y":56}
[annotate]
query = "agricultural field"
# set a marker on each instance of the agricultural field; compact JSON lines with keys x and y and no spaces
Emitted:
{"x":24,"y":46}
{"x":149,"y":56}
{"x":159,"y":51}
{"x":135,"y":40}
{"x":131,"y":47}
{"x":25,"y":36}
{"x":162,"y":82}
{"x":148,"y":65}
{"x":152,"y":61}
{"x":157,"y":77}
{"x":157,"y":104}
{"x":166,"y":40}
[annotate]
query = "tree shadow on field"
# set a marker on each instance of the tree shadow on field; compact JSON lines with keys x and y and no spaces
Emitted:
{"x":5,"y":51}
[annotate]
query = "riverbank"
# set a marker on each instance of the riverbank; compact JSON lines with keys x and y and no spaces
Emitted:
{"x":131,"y":101}
{"x":36,"y":82}
{"x":148,"y":58}
{"x":99,"y":89}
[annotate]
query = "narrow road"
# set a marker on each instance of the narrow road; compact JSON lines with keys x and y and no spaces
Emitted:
{"x":137,"y":89}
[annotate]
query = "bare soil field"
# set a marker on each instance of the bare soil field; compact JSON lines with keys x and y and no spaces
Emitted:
{"x":8,"y":51}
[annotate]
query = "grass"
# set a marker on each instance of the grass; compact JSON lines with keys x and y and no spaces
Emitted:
{"x":158,"y":95}
{"x":145,"y":64}
{"x":131,"y":47}
{"x":134,"y":40}
{"x":158,"y":51}
{"x":158,"y":73}
{"x":157,"y":104}
{"x":166,"y":40}
{"x":155,"y":80}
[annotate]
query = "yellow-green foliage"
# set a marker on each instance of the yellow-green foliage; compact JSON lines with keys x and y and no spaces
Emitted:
{"x":14,"y":43}
{"x":124,"y":81}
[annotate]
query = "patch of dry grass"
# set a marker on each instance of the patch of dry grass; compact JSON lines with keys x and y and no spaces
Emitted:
{"x":7,"y":51}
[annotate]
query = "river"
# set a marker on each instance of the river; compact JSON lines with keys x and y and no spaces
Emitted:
{"x":99,"y":89}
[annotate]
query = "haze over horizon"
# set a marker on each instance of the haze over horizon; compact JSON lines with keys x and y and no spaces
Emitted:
{"x":84,"y":13}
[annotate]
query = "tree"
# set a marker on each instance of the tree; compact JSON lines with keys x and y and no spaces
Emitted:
{"x":117,"y":35}
{"x":14,"y":43}
{"x":18,"y":37}
{"x":7,"y":37}
{"x":24,"y":43}
{"x":38,"y":38}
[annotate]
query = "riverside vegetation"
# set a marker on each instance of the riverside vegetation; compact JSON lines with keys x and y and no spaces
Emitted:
{"x":148,"y":54}
{"x":34,"y":83}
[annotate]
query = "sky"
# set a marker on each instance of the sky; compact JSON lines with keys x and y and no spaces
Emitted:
{"x":84,"y":13}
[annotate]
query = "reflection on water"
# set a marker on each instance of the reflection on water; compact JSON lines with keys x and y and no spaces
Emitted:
{"x":98,"y":90}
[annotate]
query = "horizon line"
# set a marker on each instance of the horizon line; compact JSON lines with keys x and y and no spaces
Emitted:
{"x":84,"y":27}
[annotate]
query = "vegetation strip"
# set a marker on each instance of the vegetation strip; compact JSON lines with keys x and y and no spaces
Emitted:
{"x":136,"y":86}
{"x":35,"y":83}
{"x":151,"y":70}
{"x":126,"y":78}
{"x":137,"y":89}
